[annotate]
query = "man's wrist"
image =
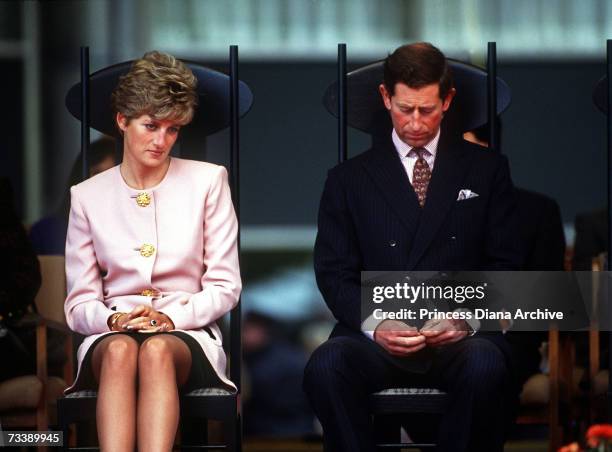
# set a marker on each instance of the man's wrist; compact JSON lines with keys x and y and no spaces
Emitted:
{"x":369,"y":325}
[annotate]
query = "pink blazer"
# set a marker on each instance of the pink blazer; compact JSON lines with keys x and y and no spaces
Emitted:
{"x":175,"y":250}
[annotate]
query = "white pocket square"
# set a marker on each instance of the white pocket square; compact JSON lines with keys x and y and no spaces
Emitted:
{"x":466,"y":193}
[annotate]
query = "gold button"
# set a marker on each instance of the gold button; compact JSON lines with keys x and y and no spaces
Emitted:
{"x":147,"y":250}
{"x":148,"y":293}
{"x":143,"y":199}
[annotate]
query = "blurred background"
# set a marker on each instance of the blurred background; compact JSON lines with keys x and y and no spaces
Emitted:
{"x":550,"y":52}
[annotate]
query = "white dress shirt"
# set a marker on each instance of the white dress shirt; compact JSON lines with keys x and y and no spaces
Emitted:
{"x":409,"y":159}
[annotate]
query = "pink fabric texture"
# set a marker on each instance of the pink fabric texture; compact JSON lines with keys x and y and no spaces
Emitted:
{"x":194,"y":270}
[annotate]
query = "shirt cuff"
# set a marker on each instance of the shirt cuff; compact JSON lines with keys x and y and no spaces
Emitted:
{"x":369,"y":326}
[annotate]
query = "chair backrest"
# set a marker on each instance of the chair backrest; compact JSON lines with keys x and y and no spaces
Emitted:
{"x":366,"y":111}
{"x":213,"y":113}
{"x":52,"y":294}
{"x":602,"y":100}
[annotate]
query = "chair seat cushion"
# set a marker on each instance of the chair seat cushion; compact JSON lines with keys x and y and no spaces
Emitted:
{"x":208,"y":392}
{"x":201,"y":392}
{"x":84,"y":394}
{"x":403,"y":391}
{"x":408,"y":400}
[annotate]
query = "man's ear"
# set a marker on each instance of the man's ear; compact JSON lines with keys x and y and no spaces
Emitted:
{"x":449,"y":98}
{"x":385,"y":96}
{"x":122,"y":121}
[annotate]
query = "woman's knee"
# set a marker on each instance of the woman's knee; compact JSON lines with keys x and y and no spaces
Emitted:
{"x":156,"y":354}
{"x":119,"y":353}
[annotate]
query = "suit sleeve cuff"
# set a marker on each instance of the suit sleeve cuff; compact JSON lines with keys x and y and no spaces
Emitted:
{"x":92,"y":315}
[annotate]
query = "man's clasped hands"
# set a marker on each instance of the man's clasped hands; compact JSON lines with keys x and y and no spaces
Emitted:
{"x":401,"y":339}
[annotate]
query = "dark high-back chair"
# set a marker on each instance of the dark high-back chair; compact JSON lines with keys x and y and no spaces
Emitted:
{"x":223,"y":101}
{"x":355,"y":100}
{"x":603,"y":100}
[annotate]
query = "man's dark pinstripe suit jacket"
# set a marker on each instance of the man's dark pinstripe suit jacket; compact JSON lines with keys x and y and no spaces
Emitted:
{"x":370,"y":220}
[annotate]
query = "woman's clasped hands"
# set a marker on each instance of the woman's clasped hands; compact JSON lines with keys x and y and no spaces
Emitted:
{"x":141,"y":319}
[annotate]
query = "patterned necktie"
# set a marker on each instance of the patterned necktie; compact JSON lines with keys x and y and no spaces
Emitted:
{"x":421,"y":174}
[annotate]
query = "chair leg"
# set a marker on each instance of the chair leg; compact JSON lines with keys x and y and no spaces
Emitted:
{"x":231,"y":435}
{"x":387,"y":430}
{"x":61,"y":422}
{"x":239,"y":433}
{"x":193,"y":433}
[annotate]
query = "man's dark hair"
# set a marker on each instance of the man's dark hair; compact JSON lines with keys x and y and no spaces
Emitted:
{"x":417,"y":65}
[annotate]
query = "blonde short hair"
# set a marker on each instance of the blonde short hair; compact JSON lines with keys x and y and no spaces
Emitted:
{"x":157,"y":85}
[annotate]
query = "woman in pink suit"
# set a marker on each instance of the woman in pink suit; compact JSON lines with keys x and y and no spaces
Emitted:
{"x":151,"y":264}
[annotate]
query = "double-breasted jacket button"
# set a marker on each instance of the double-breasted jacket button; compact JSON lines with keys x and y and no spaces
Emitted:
{"x":147,"y":250}
{"x":143,"y":199}
{"x":392,"y":243}
{"x":149,"y":293}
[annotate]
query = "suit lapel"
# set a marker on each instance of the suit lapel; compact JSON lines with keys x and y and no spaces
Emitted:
{"x":449,"y":171}
{"x":388,"y":173}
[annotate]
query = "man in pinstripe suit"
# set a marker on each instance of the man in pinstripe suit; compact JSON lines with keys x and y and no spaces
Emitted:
{"x":420,"y":199}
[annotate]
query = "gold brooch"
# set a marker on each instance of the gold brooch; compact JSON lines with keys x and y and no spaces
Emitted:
{"x":147,"y":250}
{"x":143,"y":199}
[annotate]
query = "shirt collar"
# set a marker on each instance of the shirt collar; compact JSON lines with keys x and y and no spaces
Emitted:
{"x":404,"y":148}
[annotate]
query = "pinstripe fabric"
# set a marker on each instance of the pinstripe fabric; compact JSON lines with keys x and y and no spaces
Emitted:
{"x":340,"y":376}
{"x":370,"y":219}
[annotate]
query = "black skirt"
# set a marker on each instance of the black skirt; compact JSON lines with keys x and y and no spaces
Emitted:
{"x":201,"y":375}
